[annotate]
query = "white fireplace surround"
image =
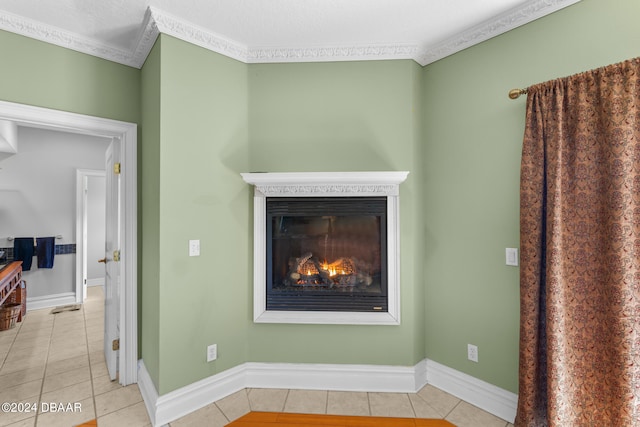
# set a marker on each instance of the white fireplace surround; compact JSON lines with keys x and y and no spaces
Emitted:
{"x":326,"y":184}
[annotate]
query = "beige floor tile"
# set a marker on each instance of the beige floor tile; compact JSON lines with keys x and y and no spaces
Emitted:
{"x":235,"y":405}
{"x":268,"y":400}
{"x":37,"y":357}
{"x":34,"y":344}
{"x":19,"y":365}
{"x":95,"y":329}
{"x":59,"y":366}
{"x":99,"y":370}
{"x":69,"y":336}
{"x":439,"y":400}
{"x":422,"y":408}
{"x":55,"y":417}
{"x":73,"y":393}
{"x":21,"y":377}
{"x":65,"y":379}
{"x":115,"y":400}
{"x":66,"y":353}
{"x":94,"y":346}
{"x":30,"y":324}
{"x":6,"y":340}
{"x":391,"y":405}
{"x":20,"y":391}
{"x":96,"y":357}
{"x":210,"y":416}
{"x":306,"y":402}
{"x":104,"y":384}
{"x":33,"y":338}
{"x":131,"y":416}
{"x":77,"y":347}
{"x":29,"y":422}
{"x":467,"y":415}
{"x":347,"y":403}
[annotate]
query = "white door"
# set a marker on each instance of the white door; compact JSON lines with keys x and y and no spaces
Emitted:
{"x":112,"y":282}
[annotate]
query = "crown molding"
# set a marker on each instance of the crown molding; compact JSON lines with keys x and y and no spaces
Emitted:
{"x":336,"y":53}
{"x":56,"y":36}
{"x":156,"y":21}
{"x":500,"y":24}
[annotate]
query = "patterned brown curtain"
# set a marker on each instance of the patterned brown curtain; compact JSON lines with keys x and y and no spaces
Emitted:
{"x":580,"y":251}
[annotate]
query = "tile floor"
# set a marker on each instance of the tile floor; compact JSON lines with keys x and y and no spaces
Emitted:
{"x":58,"y":358}
{"x":48,"y":359}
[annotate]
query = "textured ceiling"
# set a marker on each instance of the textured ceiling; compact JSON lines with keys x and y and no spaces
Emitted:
{"x":273,"y":30}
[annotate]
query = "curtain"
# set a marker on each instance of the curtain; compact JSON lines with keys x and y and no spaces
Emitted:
{"x":580,"y":251}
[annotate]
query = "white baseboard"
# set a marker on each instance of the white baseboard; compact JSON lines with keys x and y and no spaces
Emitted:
{"x":495,"y":400}
{"x":373,"y":378}
{"x":47,"y":301}
{"x":95,"y":282}
{"x":368,"y":378}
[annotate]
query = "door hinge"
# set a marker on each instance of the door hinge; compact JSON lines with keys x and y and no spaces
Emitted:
{"x":116,"y":168}
{"x":116,"y":256}
{"x":115,"y":345}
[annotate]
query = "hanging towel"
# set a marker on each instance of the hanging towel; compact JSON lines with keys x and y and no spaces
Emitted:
{"x":23,"y":251}
{"x":45,"y":250}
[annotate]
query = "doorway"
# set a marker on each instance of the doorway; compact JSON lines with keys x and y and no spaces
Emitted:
{"x":126,"y":134}
{"x":90,"y":229}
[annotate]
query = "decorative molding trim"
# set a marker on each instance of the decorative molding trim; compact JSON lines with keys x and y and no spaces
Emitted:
{"x":507,"y":21}
{"x":47,"y":301}
{"x":495,"y":400}
{"x":183,"y":30}
{"x":336,"y":53}
{"x":157,"y":21}
{"x":56,"y":36}
{"x":326,"y":184}
{"x":365,"y":378}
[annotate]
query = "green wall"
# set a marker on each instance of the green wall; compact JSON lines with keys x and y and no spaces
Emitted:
{"x":149,"y":213}
{"x":202,"y":150}
{"x":347,"y":116}
{"x":44,"y":75}
{"x":472,"y":145}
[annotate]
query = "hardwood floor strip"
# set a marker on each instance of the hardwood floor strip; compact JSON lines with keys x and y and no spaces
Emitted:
{"x":272,"y":419}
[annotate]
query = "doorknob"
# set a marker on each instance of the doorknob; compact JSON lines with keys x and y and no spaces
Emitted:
{"x":103,"y":260}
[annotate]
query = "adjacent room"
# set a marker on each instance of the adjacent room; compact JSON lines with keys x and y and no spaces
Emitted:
{"x":223,"y":141}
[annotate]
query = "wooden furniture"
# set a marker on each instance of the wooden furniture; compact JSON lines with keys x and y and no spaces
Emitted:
{"x":10,"y":286}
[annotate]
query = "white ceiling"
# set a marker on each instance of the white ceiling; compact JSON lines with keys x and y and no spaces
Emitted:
{"x":273,"y":30}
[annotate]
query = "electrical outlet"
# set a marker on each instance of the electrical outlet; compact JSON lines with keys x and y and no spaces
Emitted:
{"x":194,"y":247}
{"x":212,"y":352}
{"x":472,"y":352}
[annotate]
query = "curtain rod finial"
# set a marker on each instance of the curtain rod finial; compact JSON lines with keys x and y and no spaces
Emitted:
{"x":515,"y":93}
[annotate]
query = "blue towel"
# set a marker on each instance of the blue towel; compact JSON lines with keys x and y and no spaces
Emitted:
{"x":45,"y":250}
{"x":23,"y":251}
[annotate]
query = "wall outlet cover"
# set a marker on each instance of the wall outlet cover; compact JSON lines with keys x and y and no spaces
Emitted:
{"x":212,"y":352}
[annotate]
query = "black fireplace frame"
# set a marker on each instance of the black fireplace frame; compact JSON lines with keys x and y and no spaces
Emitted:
{"x":352,"y":300}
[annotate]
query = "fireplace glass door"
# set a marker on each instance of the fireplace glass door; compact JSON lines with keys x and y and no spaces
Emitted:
{"x":326,"y":254}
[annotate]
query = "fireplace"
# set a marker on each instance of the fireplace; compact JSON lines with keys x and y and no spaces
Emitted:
{"x":326,"y":254}
{"x":326,"y":247}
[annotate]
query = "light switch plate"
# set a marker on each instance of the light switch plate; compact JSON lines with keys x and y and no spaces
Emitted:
{"x":512,"y":256}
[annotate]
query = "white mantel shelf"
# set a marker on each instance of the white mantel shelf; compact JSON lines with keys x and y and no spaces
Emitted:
{"x":319,"y":184}
{"x":326,"y":184}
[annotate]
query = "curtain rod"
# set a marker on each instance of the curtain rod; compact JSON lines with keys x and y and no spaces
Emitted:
{"x":515,"y":93}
